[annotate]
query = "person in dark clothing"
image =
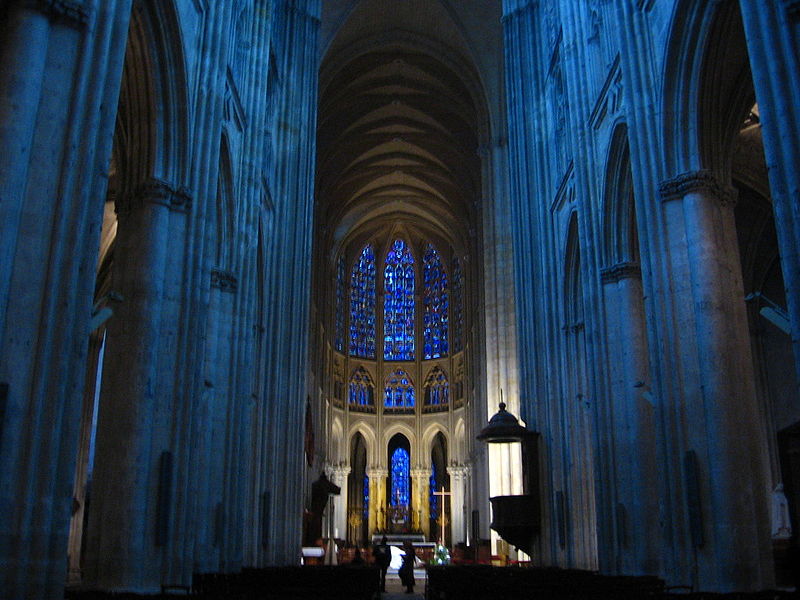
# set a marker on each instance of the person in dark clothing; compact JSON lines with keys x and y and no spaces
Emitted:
{"x":383,"y":556}
{"x":357,"y":559}
{"x":406,"y":571}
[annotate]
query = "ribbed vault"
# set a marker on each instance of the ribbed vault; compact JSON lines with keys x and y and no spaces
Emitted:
{"x":397,"y":143}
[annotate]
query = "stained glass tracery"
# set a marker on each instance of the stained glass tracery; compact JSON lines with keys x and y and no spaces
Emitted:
{"x":362,"y":391}
{"x":400,"y":471}
{"x":458,"y":306}
{"x":398,"y":307}
{"x":437,"y":389}
{"x":399,"y":391}
{"x":362,"y":305}
{"x":340,"y":304}
{"x":436,"y":305}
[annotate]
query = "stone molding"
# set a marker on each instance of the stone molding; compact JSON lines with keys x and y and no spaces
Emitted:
{"x":620,"y":271}
{"x":337,"y":473}
{"x":420,"y":473}
{"x":156,"y":191}
{"x":458,"y":472}
{"x":71,"y":12}
{"x":701,"y":180}
{"x":376,"y":472}
{"x":224,"y":281}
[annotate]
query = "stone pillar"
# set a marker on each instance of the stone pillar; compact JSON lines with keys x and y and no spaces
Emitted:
{"x":420,"y":494}
{"x":636,"y":543}
{"x":772,"y":30}
{"x":458,"y":507}
{"x":24,"y":50}
{"x":59,"y":83}
{"x":732,"y":538}
{"x":123,"y":544}
{"x":377,"y":499}
{"x":295,"y":28}
{"x":338,"y":476}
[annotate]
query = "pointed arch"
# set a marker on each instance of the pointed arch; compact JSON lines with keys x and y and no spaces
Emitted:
{"x":152,"y":120}
{"x":225,"y":209}
{"x":399,"y":461}
{"x":573,"y":288}
{"x":707,"y":85}
{"x":620,"y":236}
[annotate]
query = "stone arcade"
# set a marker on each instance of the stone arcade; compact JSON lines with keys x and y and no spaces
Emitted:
{"x":246,"y":242}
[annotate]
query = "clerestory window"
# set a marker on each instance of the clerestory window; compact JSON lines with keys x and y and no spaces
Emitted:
{"x":362,"y":305}
{"x":398,"y":304}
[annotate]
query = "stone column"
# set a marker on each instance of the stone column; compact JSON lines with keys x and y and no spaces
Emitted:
{"x":295,"y":29}
{"x":636,"y":493}
{"x":59,"y":83}
{"x":377,"y":499}
{"x":772,"y":30}
{"x":722,"y":418}
{"x":122,"y":553}
{"x":420,"y":490}
{"x":338,"y":476}
{"x":24,"y":51}
{"x":458,"y":481}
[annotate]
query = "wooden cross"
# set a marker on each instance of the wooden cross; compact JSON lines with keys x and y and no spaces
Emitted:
{"x":442,"y":518}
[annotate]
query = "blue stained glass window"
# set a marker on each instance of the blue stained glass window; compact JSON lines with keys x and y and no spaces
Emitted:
{"x":435,"y":302}
{"x":433,"y":487}
{"x":458,"y":307}
{"x":437,"y":388}
{"x":398,"y":304}
{"x":361,"y":389}
{"x":362,"y":305}
{"x":339,"y":316}
{"x":399,"y":391}
{"x":365,"y":505}
{"x":400,"y":487}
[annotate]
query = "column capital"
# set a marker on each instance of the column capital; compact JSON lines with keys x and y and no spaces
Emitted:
{"x":458,"y":471}
{"x":156,"y":191}
{"x":420,"y":473}
{"x":620,"y":271}
{"x":376,"y":472}
{"x":72,"y":12}
{"x":702,"y":180}
{"x":337,"y":473}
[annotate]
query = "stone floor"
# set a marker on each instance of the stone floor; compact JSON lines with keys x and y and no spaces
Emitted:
{"x":395,"y":590}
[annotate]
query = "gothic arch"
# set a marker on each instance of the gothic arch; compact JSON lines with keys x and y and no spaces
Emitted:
{"x":457,"y":444}
{"x":705,"y":98}
{"x":152,"y":128}
{"x":429,"y":436}
{"x":225,"y":210}
{"x":370,"y":441}
{"x":572,"y":283}
{"x":408,"y":432}
{"x":620,"y":237}
{"x":338,"y":452}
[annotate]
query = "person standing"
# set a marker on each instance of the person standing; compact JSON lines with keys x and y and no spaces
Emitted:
{"x":383,"y":556}
{"x":406,"y":571}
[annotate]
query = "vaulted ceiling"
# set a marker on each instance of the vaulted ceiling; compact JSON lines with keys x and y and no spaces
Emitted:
{"x":397,"y":141}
